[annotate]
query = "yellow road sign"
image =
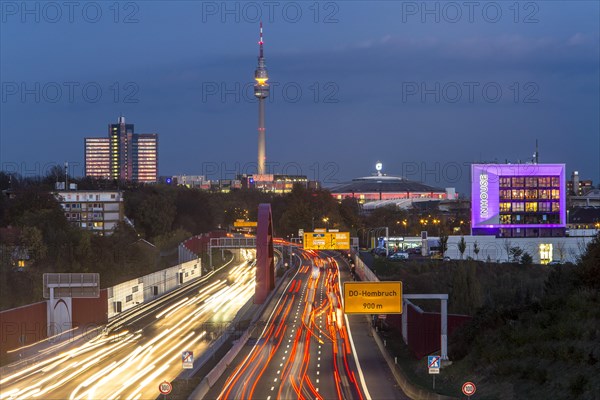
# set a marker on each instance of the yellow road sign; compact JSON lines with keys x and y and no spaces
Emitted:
{"x":326,"y":240}
{"x":244,"y":224}
{"x":373,"y":297}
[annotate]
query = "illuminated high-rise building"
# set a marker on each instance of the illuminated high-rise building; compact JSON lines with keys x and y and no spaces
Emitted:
{"x":261,"y":92}
{"x":97,"y":158}
{"x":123,"y":155}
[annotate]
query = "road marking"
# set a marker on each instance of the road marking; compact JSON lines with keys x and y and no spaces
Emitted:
{"x":319,"y":358}
{"x":317,"y":372}
{"x":318,"y":365}
{"x":281,"y":365}
{"x":269,"y":398}
{"x":317,"y":380}
{"x":275,"y":380}
{"x":286,"y":352}
{"x":278,"y":371}
{"x":272,"y":387}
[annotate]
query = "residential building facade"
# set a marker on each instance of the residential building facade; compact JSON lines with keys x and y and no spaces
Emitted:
{"x":96,"y":211}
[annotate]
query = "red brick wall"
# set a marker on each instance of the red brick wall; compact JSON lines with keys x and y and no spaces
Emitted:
{"x":29,"y":322}
{"x":90,"y":313}
{"x":424,"y":329}
{"x":199,"y":243}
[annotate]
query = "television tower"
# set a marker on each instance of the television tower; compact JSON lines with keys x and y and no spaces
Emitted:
{"x":261,"y":92}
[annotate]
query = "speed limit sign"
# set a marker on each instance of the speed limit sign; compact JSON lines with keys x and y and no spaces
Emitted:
{"x":165,"y":387}
{"x":468,"y":388}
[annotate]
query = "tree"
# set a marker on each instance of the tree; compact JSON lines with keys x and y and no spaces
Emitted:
{"x":589,"y":266}
{"x":560,"y":247}
{"x":33,"y":240}
{"x":515,"y":254}
{"x":156,"y":215}
{"x":526,"y":259}
{"x":476,"y":250}
{"x":462,"y":246}
{"x":507,"y":247}
{"x":350,"y":213}
{"x":443,"y":243}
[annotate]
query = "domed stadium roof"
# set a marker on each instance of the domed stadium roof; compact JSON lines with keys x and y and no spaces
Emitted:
{"x":384,"y":184}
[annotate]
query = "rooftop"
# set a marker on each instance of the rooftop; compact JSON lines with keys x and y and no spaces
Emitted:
{"x":384,"y":184}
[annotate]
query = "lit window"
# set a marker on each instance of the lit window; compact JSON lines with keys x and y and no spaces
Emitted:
{"x":545,"y":253}
{"x":531,"y":207}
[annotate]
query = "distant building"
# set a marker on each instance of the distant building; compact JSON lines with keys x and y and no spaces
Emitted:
{"x":518,"y":200}
{"x":96,"y":211}
{"x":97,"y":158}
{"x":274,"y":183}
{"x":225,"y":185}
{"x":123,"y":154}
{"x":381,"y":190}
{"x":190,"y":181}
{"x":590,"y":199}
{"x":584,"y":218}
{"x":578,"y":187}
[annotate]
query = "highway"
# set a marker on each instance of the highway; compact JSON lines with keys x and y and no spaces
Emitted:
{"x":139,"y":349}
{"x":305,"y":349}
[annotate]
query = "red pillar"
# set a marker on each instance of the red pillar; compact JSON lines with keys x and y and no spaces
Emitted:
{"x":265,"y":266}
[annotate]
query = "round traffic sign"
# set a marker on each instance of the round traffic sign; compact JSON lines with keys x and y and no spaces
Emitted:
{"x":468,"y":388}
{"x":165,"y":387}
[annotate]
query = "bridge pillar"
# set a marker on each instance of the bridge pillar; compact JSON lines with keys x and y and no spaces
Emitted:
{"x":265,"y":266}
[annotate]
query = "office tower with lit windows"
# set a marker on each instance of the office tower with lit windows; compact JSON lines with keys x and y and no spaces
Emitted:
{"x":145,"y":157}
{"x":97,"y":158}
{"x":123,"y":155}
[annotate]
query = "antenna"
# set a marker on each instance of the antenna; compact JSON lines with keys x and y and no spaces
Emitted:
{"x":260,"y":42}
{"x":66,"y":175}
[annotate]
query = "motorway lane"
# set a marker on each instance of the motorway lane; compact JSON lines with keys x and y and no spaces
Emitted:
{"x":375,"y":370}
{"x":304,"y":350}
{"x":139,"y":350}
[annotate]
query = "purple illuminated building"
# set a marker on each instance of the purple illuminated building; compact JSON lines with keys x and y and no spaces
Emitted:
{"x":518,"y":200}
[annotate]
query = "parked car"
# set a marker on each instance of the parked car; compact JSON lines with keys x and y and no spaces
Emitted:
{"x":399,"y":256}
{"x":380,"y":251}
{"x":446,"y":258}
{"x":554,"y":262}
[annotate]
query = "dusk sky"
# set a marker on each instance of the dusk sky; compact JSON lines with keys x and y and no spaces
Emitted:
{"x":353,"y":82}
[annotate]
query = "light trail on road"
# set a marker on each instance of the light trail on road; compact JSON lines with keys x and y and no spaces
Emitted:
{"x":304,"y":350}
{"x":124,"y":364}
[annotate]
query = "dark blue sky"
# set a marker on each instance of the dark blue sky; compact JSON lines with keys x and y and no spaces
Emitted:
{"x":424,"y":87}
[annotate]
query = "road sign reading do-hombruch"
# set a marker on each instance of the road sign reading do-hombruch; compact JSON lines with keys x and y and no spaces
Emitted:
{"x":373,"y":297}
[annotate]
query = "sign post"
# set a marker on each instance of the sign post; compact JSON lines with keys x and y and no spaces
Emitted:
{"x":433,"y":365}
